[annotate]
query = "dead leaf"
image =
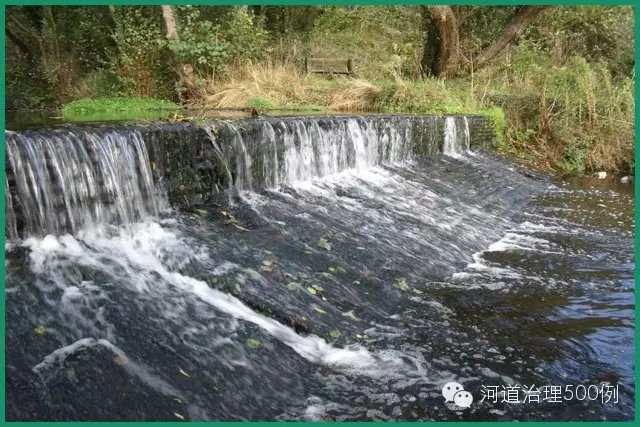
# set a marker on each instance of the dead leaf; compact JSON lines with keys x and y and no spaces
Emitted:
{"x":121,"y":360}
{"x":319,"y":310}
{"x":41,"y":330}
{"x":179,"y":416}
{"x":350,"y":315}
{"x":182,"y":371}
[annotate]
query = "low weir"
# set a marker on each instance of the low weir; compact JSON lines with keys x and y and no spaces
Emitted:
{"x":57,"y":180}
{"x":339,"y":268}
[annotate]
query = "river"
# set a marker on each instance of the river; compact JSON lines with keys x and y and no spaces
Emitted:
{"x":356,"y":295}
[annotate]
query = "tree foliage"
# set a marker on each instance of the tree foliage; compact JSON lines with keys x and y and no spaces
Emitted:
{"x":55,"y":54}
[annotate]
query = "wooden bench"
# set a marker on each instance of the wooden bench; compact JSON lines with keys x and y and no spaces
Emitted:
{"x":328,"y":65}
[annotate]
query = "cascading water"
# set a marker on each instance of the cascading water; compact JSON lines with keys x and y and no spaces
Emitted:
{"x":65,"y":181}
{"x":309,"y":150}
{"x":327,"y":284}
{"x":454,"y":143}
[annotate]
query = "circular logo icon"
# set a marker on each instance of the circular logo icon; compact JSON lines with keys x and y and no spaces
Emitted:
{"x":463,"y":399}
{"x":450,"y":389}
{"x":453,"y":392}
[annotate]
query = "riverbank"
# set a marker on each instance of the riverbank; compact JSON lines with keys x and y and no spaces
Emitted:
{"x":574,"y":122}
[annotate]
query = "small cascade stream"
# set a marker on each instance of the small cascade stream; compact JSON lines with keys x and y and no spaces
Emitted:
{"x":337,"y":268}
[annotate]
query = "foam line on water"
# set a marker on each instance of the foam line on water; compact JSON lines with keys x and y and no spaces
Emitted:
{"x":147,"y":247}
{"x":53,"y":363}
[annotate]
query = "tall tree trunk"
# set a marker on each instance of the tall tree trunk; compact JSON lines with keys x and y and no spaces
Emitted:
{"x":185,"y":72}
{"x":522,"y":18}
{"x":169,"y":22}
{"x":440,"y":57}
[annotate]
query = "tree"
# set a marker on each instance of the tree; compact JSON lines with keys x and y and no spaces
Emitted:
{"x":441,"y":56}
{"x":169,"y":22}
{"x":522,"y":18}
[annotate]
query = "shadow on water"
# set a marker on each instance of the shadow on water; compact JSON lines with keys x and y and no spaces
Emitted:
{"x":356,"y":296}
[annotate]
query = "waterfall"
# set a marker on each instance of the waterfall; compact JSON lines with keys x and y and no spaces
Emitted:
{"x":457,"y":136}
{"x":63,"y":181}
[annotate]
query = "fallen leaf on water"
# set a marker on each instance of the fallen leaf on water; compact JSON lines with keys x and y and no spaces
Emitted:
{"x":303,"y":318}
{"x":293,"y":286}
{"x":182,"y":371}
{"x":177,"y":399}
{"x":121,"y":360}
{"x":267,"y":263}
{"x":332,"y":269}
{"x":214,"y":280}
{"x":41,"y":330}
{"x":153,"y":165}
{"x":350,"y":315}
{"x":317,"y":288}
{"x":324,"y":299}
{"x":335,"y":334}
{"x":266,"y":268}
{"x":319,"y":310}
{"x":311,"y":290}
{"x":360,"y":248}
{"x":253,"y":343}
{"x":223,"y":213}
{"x":401,"y":284}
{"x":324,"y":243}
{"x":202,"y":212}
{"x":267,"y":252}
{"x":356,"y":282}
{"x":179,"y":416}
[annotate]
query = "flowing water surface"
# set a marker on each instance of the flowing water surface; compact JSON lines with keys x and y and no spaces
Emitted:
{"x":346,"y":289}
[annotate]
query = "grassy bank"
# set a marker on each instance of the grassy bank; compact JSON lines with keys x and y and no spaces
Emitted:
{"x":563,"y":89}
{"x":566,"y":120}
{"x":103,"y":109}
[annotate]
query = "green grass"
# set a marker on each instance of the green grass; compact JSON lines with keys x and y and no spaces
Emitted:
{"x":117,"y":108}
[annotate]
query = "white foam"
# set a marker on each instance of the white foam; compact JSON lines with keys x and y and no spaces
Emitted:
{"x":53,"y":362}
{"x":148,"y":248}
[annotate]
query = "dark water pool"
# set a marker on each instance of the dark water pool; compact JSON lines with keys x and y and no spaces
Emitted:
{"x":355,"y":297}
